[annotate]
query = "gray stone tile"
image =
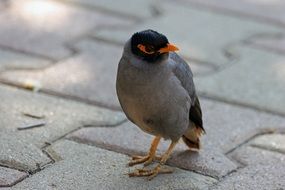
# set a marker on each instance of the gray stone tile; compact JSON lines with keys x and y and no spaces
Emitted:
{"x":227,"y":127}
{"x":207,"y":36}
{"x":269,"y":42}
{"x":133,"y":9}
{"x":274,"y":142}
{"x":128,"y":139}
{"x":201,"y":69}
{"x":263,"y":170}
{"x":91,"y":75}
{"x":20,"y":153}
{"x":257,"y":80}
{"x":46,"y":27}
{"x":9,"y":177}
{"x":21,"y":149}
{"x":87,"y":167}
{"x":13,"y":61}
{"x":257,"y":8}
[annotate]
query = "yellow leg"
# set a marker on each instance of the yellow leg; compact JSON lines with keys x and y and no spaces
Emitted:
{"x":153,"y":172}
{"x":148,"y":158}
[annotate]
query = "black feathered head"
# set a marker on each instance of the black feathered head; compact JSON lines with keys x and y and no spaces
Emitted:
{"x":150,"y":45}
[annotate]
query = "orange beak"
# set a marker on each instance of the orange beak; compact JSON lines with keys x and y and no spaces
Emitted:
{"x":168,"y":48}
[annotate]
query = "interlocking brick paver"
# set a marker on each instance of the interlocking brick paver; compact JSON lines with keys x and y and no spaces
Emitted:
{"x":11,"y":60}
{"x":91,"y":75}
{"x":46,"y":27}
{"x":263,"y":170}
{"x":85,"y":74}
{"x":19,"y":152}
{"x":87,"y":167}
{"x":226,"y":126}
{"x":271,"y":11}
{"x":134,"y":9}
{"x":274,"y":142}
{"x":9,"y":177}
{"x":256,"y":80}
{"x":128,"y":139}
{"x":71,"y":49}
{"x":269,"y":42}
{"x":202,"y":35}
{"x":21,"y":149}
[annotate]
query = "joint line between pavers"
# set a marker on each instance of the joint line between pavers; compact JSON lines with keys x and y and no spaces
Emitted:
{"x":250,"y":41}
{"x":109,"y":125}
{"x":234,"y":13}
{"x":240,"y":104}
{"x":197,"y":172}
{"x":18,"y":169}
{"x":223,"y":178}
{"x":17,"y":181}
{"x":78,"y":128}
{"x":47,"y":144}
{"x":87,"y":35}
{"x":13,"y":168}
{"x":64,"y":96}
{"x":261,"y":132}
{"x":264,"y":48}
{"x":78,"y":99}
{"x":105,"y":40}
{"x":99,"y":9}
{"x":120,"y":150}
{"x":24,"y":52}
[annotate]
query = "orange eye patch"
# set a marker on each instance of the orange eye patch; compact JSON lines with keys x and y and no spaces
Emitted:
{"x":143,"y":49}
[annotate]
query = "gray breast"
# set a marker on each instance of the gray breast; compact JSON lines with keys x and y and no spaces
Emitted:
{"x":153,"y":98}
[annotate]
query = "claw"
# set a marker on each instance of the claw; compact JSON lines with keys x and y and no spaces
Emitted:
{"x":139,"y":159}
{"x":150,"y":172}
{"x":135,"y":157}
{"x":147,"y":160}
{"x":150,"y":160}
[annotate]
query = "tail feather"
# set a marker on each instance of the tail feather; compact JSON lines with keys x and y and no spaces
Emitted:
{"x":192,"y":137}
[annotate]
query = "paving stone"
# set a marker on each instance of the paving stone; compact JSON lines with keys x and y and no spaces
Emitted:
{"x":263,"y":170}
{"x":91,"y":75}
{"x":134,"y":8}
{"x":87,"y":167}
{"x":20,"y":153}
{"x":21,"y":149}
{"x":269,"y":42}
{"x":128,"y":139}
{"x":274,"y":9}
{"x":47,"y":27}
{"x":236,"y":125}
{"x":207,"y":36}
{"x":10,"y":61}
{"x":274,"y":142}
{"x":9,"y":177}
{"x":61,"y":116}
{"x":201,"y":68}
{"x":256,"y":78}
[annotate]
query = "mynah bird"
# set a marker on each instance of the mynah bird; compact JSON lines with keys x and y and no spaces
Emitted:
{"x":156,"y":91}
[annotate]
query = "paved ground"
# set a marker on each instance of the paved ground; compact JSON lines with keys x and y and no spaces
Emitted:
{"x":61,"y":126}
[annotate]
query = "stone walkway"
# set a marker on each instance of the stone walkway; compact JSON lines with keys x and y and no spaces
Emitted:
{"x":61,"y":126}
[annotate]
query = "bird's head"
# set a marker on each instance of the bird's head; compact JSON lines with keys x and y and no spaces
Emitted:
{"x":150,"y":45}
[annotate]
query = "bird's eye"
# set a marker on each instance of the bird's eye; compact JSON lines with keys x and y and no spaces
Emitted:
{"x":149,"y":48}
{"x":146,"y":49}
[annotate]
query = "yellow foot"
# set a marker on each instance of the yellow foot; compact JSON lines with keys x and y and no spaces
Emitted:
{"x":150,"y":172}
{"x":147,"y":160}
